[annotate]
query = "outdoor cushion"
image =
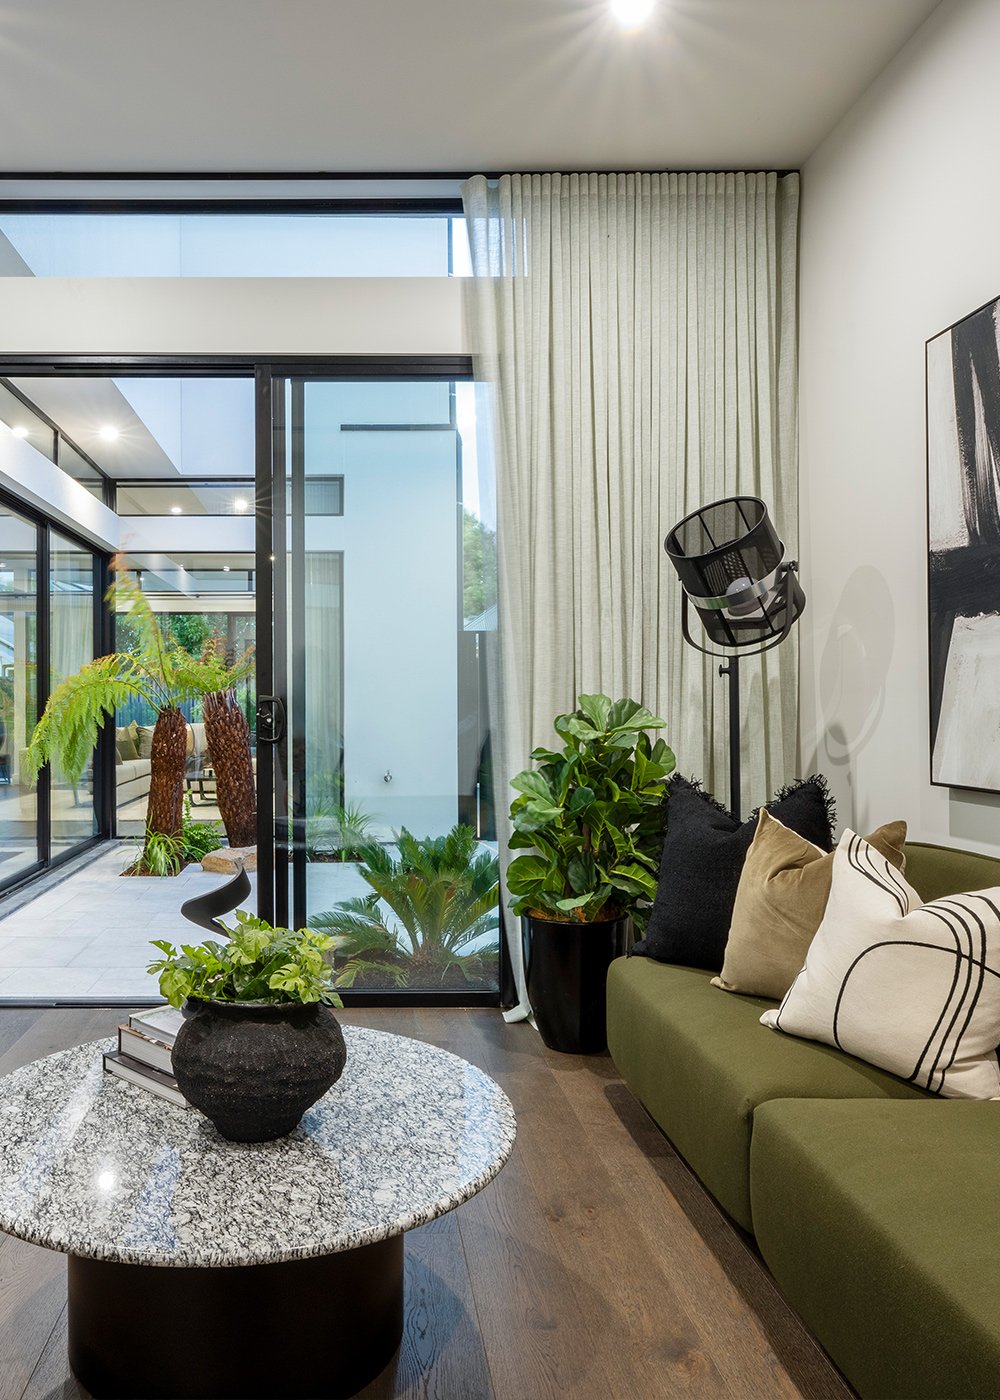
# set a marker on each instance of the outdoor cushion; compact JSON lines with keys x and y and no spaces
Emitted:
{"x":703,"y":853}
{"x":878,"y":1222}
{"x":701,"y":1062}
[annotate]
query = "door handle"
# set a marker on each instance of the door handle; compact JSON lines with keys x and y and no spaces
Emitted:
{"x":270,"y":719}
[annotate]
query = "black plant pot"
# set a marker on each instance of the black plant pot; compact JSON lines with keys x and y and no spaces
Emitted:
{"x":254,"y":1067}
{"x":566,"y":970}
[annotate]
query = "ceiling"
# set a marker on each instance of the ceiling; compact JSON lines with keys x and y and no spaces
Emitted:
{"x":388,"y":86}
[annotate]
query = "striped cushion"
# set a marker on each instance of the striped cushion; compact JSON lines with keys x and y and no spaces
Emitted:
{"x":908,"y":986}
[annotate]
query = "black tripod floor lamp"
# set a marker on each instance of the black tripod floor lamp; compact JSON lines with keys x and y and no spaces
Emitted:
{"x":733,"y":571}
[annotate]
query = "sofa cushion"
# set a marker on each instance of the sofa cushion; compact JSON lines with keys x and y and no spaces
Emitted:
{"x":131,"y":769}
{"x":703,"y":853}
{"x":780,"y":903}
{"x":909,"y":986}
{"x":877,"y":1221}
{"x":701,"y":1062}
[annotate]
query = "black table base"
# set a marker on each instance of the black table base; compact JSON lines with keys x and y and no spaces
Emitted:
{"x":312,"y":1329}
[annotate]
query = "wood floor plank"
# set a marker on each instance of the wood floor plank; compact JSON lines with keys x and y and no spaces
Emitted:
{"x":51,"y":1378}
{"x":57,"y":1030}
{"x":32,"y":1295}
{"x":655,"y":1345}
{"x":441,"y":1356}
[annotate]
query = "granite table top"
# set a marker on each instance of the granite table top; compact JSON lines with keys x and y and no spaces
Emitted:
{"x":95,"y":1166}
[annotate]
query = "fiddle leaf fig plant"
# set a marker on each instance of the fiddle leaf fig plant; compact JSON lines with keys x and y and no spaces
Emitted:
{"x":591,"y":814}
{"x":258,"y":963}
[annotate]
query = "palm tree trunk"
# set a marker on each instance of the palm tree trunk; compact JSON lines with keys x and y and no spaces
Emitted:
{"x":227,"y":735}
{"x":167,"y":758}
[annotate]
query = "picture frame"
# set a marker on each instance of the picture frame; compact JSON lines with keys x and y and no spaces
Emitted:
{"x":963,"y":550}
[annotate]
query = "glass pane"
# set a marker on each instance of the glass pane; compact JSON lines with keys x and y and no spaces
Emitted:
{"x":197,"y":598}
{"x":18,"y":708}
{"x":231,"y":245}
{"x":186,"y":498}
{"x":387,"y":698}
{"x":71,"y":586}
{"x":24,"y":423}
{"x":76,"y":465}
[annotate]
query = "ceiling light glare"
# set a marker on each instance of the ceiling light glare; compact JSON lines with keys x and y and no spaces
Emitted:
{"x":19,"y":430}
{"x":176,"y":510}
{"x":225,"y":568}
{"x":241,"y":504}
{"x":108,"y":433}
{"x":631,"y":14}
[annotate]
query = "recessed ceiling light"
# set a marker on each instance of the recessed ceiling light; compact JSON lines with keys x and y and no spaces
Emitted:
{"x":225,"y":568}
{"x":108,"y":433}
{"x":241,"y":503}
{"x":630,"y":14}
{"x":19,"y":430}
{"x":176,"y":510}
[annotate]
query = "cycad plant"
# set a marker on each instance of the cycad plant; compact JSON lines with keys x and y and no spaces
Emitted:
{"x":428,"y":907}
{"x":161,"y":673}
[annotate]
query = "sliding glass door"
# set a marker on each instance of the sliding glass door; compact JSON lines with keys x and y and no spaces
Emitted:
{"x":378,"y":714}
{"x":19,"y":556}
{"x":72,"y":589}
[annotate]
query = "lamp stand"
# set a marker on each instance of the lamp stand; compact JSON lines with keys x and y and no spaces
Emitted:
{"x":732,"y":670}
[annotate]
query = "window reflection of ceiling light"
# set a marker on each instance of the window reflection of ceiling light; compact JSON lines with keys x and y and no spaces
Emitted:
{"x":108,"y":433}
{"x":176,"y":510}
{"x":630,"y":14}
{"x":19,"y":430}
{"x":241,"y":503}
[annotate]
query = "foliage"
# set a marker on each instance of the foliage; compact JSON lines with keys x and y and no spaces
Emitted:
{"x":156,"y":669}
{"x":161,"y":854}
{"x":592,"y":813}
{"x":258,"y":963}
{"x":442,"y":895}
{"x":337,"y":831}
{"x":479,"y":565}
{"x":198,"y":838}
{"x":69,"y":727}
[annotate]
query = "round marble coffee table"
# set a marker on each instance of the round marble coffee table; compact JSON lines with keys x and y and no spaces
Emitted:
{"x":199,"y":1267}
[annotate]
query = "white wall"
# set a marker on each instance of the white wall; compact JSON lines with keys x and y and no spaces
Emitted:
{"x":900,"y":238}
{"x":231,"y":315}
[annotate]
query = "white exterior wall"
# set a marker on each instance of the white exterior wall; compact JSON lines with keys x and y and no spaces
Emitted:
{"x":900,"y":212}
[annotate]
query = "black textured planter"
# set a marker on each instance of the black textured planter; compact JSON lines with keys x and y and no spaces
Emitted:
{"x":566,"y":969}
{"x":254,"y":1067}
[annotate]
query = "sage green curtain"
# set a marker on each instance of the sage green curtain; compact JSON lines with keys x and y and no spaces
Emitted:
{"x":640,"y":331}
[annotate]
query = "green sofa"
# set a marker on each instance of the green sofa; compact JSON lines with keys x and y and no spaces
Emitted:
{"x":871,"y":1200}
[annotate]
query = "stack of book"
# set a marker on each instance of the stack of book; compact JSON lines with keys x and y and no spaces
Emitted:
{"x":145,"y":1046}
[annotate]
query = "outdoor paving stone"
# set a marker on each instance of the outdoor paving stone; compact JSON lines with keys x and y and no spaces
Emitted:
{"x":49,"y":982}
{"x":41,"y":951}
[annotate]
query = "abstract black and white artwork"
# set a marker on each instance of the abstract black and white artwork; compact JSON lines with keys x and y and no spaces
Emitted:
{"x":963,"y":515}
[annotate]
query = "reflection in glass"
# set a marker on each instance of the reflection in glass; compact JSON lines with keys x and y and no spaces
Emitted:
{"x":388,"y":605}
{"x":71,"y":589}
{"x":18,"y":696}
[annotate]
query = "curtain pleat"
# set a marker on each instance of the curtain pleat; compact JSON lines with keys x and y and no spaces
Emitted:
{"x":640,"y":331}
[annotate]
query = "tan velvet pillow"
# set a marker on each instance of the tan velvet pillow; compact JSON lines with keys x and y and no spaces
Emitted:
{"x":780,"y":904}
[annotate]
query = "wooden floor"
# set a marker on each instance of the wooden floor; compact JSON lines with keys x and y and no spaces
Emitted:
{"x":594,"y":1268}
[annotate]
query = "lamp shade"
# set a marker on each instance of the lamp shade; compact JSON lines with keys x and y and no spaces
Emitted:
{"x":732,"y":568}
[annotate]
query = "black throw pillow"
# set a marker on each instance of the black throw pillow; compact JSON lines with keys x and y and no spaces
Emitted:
{"x":703,"y":853}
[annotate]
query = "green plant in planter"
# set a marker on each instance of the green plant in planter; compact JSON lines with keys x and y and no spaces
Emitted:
{"x":258,"y":963}
{"x":592,"y":813}
{"x":428,"y":906}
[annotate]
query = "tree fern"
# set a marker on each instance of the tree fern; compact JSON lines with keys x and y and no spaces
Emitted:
{"x":77,"y":708}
